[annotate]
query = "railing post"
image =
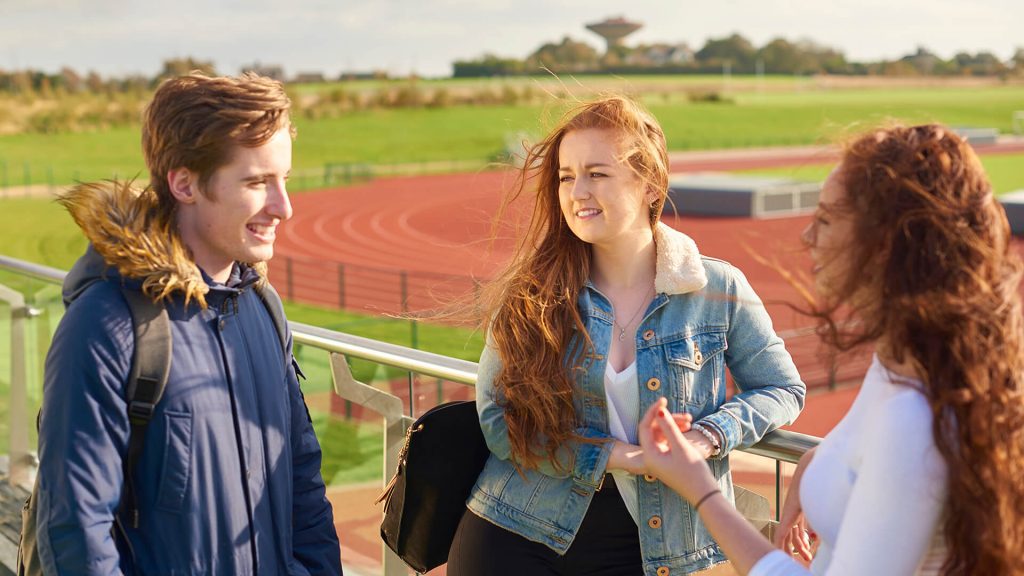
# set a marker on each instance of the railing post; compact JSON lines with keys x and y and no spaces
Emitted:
{"x":289,"y":280}
{"x":20,"y":458}
{"x":778,"y":490}
{"x":403,"y":286}
{"x":395,"y":425}
{"x":414,"y":328}
{"x":341,"y":286}
{"x":833,"y":371}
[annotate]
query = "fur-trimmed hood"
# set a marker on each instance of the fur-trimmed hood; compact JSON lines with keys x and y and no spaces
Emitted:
{"x":128,"y":233}
{"x":679,"y":269}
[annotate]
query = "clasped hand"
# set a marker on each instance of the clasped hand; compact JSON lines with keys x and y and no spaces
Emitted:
{"x":630,"y":457}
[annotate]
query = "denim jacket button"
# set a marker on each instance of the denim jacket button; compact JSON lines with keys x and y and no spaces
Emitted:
{"x":653,"y":384}
{"x":663,"y":571}
{"x":654,"y":522}
{"x":649,"y":478}
{"x":648,"y":335}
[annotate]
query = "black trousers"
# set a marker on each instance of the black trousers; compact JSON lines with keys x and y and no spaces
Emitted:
{"x":607,"y":544}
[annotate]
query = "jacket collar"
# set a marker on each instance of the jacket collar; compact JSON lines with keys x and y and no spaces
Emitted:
{"x":679,"y":269}
{"x":127,"y":235}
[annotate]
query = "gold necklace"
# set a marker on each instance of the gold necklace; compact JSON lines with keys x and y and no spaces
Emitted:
{"x":643,"y":305}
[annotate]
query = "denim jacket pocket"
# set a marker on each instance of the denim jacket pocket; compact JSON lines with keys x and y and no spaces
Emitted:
{"x":177,"y":462}
{"x":696,"y":365}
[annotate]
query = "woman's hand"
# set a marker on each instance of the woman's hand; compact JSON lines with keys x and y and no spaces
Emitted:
{"x":629,"y":457}
{"x":626,"y":457}
{"x":792,"y":534}
{"x":670,"y":456}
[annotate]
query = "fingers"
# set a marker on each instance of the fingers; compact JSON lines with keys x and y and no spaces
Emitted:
{"x":647,"y":433}
{"x":801,"y":542}
{"x":673,"y":435}
{"x":796,"y":540}
{"x":652,"y":411}
{"x":683,"y":421}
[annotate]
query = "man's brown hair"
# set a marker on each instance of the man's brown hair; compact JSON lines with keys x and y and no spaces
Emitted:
{"x":195,"y":121}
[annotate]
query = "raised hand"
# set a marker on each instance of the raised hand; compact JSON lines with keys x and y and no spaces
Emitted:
{"x":669,"y":456}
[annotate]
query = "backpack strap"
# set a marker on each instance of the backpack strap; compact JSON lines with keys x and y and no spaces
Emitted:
{"x":272,"y":302}
{"x":151,"y":365}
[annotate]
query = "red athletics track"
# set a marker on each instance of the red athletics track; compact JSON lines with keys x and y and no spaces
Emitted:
{"x":441,"y":224}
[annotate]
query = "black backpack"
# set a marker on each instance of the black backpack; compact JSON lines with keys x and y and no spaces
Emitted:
{"x":151,"y":364}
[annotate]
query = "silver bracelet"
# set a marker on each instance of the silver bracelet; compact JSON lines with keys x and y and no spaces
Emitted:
{"x":716,"y":447}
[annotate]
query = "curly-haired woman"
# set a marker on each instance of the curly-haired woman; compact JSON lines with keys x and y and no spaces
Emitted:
{"x":925,"y":474}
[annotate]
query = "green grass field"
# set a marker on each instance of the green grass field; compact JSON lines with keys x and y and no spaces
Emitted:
{"x":784,"y":111}
{"x":1006,"y":172}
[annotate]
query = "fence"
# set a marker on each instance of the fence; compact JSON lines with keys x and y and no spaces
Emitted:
{"x":385,"y":386}
{"x":18,"y":179}
{"x":375,"y":291}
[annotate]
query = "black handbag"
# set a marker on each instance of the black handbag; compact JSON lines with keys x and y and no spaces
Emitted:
{"x":443,"y":454}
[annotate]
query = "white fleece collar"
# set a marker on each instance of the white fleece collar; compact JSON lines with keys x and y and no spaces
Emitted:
{"x":679,"y":269}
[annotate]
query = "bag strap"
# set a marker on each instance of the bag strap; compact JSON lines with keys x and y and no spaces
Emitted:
{"x":272,"y":301}
{"x":151,"y":365}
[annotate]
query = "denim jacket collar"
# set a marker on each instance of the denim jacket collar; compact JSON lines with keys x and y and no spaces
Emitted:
{"x":678,"y":269}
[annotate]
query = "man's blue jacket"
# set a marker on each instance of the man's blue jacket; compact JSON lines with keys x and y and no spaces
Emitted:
{"x":229,"y":479}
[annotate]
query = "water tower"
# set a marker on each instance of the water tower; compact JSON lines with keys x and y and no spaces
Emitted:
{"x":613,"y":30}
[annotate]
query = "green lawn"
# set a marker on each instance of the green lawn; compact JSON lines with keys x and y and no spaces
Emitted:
{"x":790,"y":111}
{"x":1006,"y":172}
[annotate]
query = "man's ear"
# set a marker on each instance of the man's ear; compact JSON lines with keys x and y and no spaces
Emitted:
{"x":184,"y":185}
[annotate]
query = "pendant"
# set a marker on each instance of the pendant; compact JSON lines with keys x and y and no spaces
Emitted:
{"x":622,"y":334}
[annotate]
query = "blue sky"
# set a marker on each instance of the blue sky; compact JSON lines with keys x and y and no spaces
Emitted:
{"x":401,"y":36}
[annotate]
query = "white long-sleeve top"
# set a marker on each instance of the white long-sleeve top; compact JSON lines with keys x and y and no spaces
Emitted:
{"x":874,"y":491}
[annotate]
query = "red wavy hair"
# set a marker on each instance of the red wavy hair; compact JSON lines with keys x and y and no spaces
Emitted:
{"x":533,"y":320}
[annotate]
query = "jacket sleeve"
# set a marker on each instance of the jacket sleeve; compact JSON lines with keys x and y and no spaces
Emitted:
{"x":771,"y":392}
{"x":83,"y":437}
{"x":589,"y":459}
{"x":314,"y":538}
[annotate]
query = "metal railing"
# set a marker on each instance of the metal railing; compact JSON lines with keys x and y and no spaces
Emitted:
{"x":23,"y":307}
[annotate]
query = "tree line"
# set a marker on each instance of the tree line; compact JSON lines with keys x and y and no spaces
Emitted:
{"x":732,"y":54}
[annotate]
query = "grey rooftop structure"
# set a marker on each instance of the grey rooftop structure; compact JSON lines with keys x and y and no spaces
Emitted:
{"x":715,"y":194}
{"x":1013,"y":202}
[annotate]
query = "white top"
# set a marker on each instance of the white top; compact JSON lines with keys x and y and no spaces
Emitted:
{"x":622,"y":393}
{"x":875,"y":489}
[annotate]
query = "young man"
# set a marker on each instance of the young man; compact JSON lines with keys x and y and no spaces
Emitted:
{"x":228,"y":478}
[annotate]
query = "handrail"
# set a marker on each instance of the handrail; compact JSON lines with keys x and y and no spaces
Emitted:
{"x":780,"y":445}
{"x":37,"y":271}
{"x":419,"y":361}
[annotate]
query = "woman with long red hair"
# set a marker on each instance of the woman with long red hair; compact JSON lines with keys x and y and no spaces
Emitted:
{"x":925,"y":474}
{"x":603,"y":311}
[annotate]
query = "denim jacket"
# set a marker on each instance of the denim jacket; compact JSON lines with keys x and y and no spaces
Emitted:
{"x":704,"y":318}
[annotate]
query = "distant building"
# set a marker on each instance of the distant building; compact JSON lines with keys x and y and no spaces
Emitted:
{"x":354,"y":75}
{"x":661,"y":55}
{"x":922,"y":60}
{"x":269,"y":70}
{"x":613,"y":30}
{"x":308,"y":77}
